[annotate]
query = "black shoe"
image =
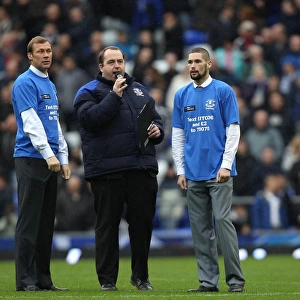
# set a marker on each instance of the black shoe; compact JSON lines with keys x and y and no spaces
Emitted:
{"x":142,"y":285}
{"x":55,"y":289}
{"x":236,"y":288}
{"x":204,"y":289}
{"x":30,"y":288}
{"x":108,"y":287}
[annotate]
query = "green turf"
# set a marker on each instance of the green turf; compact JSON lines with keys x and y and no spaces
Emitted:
{"x":276,"y":277}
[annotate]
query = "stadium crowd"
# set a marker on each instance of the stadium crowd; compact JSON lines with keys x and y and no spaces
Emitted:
{"x":255,"y":47}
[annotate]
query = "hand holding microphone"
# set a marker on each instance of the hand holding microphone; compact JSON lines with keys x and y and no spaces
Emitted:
{"x":119,"y":76}
{"x":120,"y":84}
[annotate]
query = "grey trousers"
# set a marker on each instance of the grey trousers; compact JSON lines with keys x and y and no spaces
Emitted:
{"x":209,"y":205}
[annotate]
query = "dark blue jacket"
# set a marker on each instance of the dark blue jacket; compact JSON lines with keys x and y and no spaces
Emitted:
{"x":260,"y":213}
{"x":109,"y":128}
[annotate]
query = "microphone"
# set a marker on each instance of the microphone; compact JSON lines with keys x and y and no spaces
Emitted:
{"x":119,"y":75}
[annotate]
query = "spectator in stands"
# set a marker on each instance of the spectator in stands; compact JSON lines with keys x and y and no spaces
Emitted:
{"x":8,"y":218}
{"x":79,"y":25}
{"x":293,"y":101}
{"x":291,"y":163}
{"x":204,"y":11}
{"x":115,"y":14}
{"x":62,"y":47}
{"x":290,"y":17}
{"x":10,"y":48}
{"x":241,"y":219}
{"x":55,"y":13}
{"x":255,"y":88}
{"x":275,"y":44}
{"x":163,"y":150}
{"x":222,"y":73}
{"x":245,"y":114}
{"x":171,"y":204}
{"x":280,"y":116}
{"x":262,"y":136}
{"x":50,"y":32}
{"x":268,"y":210}
{"x":287,"y":195}
{"x":89,"y":58}
{"x":126,"y":45}
{"x":6,"y":193}
{"x":147,"y":13}
{"x":153,"y":78}
{"x":230,"y":60}
{"x":291,"y":154}
{"x":143,"y":60}
{"x":288,"y":77}
{"x":182,"y":9}
{"x":7,"y":133}
{"x":264,"y":166}
{"x":7,"y":144}
{"x":173,"y":34}
{"x":273,"y":84}
{"x":32,"y":16}
{"x":223,"y":28}
{"x":8,"y":222}
{"x":6,"y":22}
{"x":293,"y":53}
{"x":247,"y":12}
{"x":6,"y":107}
{"x":10,"y":73}
{"x":247,"y":36}
{"x":171,"y":59}
{"x":278,"y":47}
{"x":177,"y":81}
{"x":146,"y":39}
{"x":262,"y":11}
{"x":245,"y":162}
{"x":75,"y":209}
{"x":256,"y":58}
{"x":68,"y":80}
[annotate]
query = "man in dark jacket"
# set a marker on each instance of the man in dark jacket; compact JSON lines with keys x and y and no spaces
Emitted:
{"x":121,"y":170}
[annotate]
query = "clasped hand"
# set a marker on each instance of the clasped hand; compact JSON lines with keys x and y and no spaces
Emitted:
{"x":54,"y":166}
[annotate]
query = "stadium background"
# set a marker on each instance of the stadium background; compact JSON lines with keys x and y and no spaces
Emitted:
{"x":156,"y":36}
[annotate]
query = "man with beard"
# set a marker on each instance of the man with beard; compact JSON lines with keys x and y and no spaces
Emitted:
{"x":205,"y":138}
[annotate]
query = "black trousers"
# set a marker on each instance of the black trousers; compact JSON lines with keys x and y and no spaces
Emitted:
{"x":137,"y":189}
{"x":37,"y":190}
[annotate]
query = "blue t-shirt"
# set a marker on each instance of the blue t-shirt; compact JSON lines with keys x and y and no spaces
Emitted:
{"x":39,"y":93}
{"x":204,"y":114}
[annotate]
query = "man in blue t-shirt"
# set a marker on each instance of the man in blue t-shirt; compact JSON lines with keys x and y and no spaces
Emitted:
{"x":205,"y":137}
{"x":40,"y":153}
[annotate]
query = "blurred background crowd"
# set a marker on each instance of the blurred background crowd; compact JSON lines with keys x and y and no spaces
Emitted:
{"x":254,"y":46}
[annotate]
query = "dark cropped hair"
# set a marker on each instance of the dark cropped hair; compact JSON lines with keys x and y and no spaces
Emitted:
{"x":201,"y":50}
{"x":101,"y":54}
{"x":36,"y":40}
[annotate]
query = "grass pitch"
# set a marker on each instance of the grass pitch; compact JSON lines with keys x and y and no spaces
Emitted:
{"x":275,"y":277}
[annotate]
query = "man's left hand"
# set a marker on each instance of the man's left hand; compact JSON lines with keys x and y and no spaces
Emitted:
{"x":223,"y":175}
{"x":66,"y":172}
